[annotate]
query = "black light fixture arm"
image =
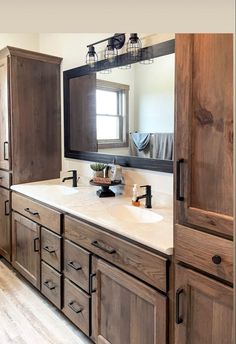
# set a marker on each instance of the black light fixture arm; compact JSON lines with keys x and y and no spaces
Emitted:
{"x":114,"y":37}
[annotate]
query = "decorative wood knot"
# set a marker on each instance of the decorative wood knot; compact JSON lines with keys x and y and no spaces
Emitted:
{"x":204,"y":116}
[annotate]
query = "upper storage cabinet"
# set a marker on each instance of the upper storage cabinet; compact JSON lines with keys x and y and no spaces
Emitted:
{"x":204,"y":131}
{"x":30,"y":113}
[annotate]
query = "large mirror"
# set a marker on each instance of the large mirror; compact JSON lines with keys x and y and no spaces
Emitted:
{"x":123,"y":110}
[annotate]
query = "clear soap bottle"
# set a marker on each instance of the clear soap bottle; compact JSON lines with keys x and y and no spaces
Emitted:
{"x":134,"y":197}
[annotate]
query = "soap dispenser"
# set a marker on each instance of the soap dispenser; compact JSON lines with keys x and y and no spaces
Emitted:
{"x":134,"y":197}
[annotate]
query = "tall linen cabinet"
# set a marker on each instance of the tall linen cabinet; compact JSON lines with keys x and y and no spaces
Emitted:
{"x":30,"y":125}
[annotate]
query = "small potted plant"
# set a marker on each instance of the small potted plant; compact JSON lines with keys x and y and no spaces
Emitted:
{"x":97,"y":169}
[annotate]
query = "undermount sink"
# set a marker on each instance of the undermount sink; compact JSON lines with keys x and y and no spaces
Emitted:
{"x":64,"y":190}
{"x":133,"y":214}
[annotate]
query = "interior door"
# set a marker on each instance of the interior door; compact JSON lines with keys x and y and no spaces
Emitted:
{"x":4,"y":115}
{"x":204,"y":131}
{"x":26,"y":248}
{"x":5,"y":229}
{"x":204,"y":309}
{"x":126,"y":310}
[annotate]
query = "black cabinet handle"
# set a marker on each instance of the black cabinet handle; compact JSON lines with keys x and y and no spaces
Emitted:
{"x":75,"y":307}
{"x":31,"y":212}
{"x":5,"y":155}
{"x":179,"y":180}
{"x":91,"y":290}
{"x":216,"y":259}
{"x":178,"y":318}
{"x":50,"y":285}
{"x":46,"y":248}
{"x":74,"y":266}
{"x":7,"y":208}
{"x":103,"y":247}
{"x":35,"y":245}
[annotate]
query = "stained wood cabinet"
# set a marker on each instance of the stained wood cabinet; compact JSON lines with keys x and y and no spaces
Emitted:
{"x":126,"y":310}
{"x":5,"y":229}
{"x":204,"y":309}
{"x":204,"y":131}
{"x":26,"y":248}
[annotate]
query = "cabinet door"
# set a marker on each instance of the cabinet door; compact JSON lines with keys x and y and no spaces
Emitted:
{"x":204,"y":131}
{"x":5,"y":229}
{"x":4,"y":115}
{"x":205,"y":313}
{"x":25,"y":248}
{"x":126,"y":310}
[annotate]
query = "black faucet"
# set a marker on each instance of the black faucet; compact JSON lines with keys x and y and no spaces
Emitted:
{"x":73,"y":177}
{"x":147,"y":195}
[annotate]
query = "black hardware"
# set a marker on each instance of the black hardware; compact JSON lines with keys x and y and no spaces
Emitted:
{"x":7,"y":208}
{"x":35,"y":245}
{"x":75,"y":309}
{"x":49,"y":285}
{"x":178,"y":318}
{"x":103,"y":247}
{"x":179,"y":197}
{"x":73,"y":177}
{"x":118,"y":40}
{"x":147,"y":196}
{"x":5,"y":156}
{"x":91,"y":290}
{"x":74,"y":266}
{"x":46,"y":248}
{"x":216,"y":259}
{"x":31,"y":212}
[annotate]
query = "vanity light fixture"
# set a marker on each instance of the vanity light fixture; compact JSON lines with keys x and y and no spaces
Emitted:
{"x":91,"y":56}
{"x":111,"y":52}
{"x":147,"y":61}
{"x":134,"y":46}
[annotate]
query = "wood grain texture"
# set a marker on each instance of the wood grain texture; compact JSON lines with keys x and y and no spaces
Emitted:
{"x":207,"y":310}
{"x":197,"y":249}
{"x":126,"y":310}
{"x":51,"y":284}
{"x":25,"y":238}
{"x":204,"y":129}
{"x":145,"y":265}
{"x":13,"y":51}
{"x":81,"y":304}
{"x":27,"y":317}
{"x":5,"y":179}
{"x":46,"y":216}
{"x":5,"y":224}
{"x":51,"y":248}
{"x":77,"y":265}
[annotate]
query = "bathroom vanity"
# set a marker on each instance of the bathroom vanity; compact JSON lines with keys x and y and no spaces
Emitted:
{"x":110,"y":276}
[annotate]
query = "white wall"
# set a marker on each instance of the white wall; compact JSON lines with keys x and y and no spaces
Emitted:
{"x":20,"y":40}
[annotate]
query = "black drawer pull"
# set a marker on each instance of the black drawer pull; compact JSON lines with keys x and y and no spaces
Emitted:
{"x":50,"y":285}
{"x":91,"y":290}
{"x":46,"y":248}
{"x":31,"y":212}
{"x":5,"y":150}
{"x":178,"y":318}
{"x":74,"y":266}
{"x":179,"y":181}
{"x":75,"y":307}
{"x":103,"y":247}
{"x":216,"y":259}
{"x":35,"y":245}
{"x":7,"y":208}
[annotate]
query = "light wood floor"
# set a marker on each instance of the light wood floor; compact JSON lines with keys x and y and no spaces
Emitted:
{"x":27,"y":318}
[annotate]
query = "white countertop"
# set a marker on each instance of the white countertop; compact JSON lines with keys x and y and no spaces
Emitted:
{"x":84,"y":203}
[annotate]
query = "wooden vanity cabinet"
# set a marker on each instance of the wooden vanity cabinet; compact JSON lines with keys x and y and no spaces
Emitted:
{"x":5,"y":228}
{"x":125,"y":310}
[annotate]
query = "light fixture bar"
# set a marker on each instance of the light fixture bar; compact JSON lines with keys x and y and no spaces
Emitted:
{"x":106,"y":39}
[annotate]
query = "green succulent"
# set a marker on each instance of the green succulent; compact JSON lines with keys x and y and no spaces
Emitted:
{"x":97,"y":166}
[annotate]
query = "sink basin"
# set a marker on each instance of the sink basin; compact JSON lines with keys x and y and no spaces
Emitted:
{"x":64,"y":190}
{"x":133,"y":214}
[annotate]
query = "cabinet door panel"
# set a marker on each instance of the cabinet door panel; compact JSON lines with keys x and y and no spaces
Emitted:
{"x":4,"y":115}
{"x":26,"y":248}
{"x":204,"y":130}
{"x":206,"y":315}
{"x":126,"y":310}
{"x":5,"y":229}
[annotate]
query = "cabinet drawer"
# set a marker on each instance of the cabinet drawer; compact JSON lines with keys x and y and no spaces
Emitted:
{"x":5,"y":179}
{"x":51,"y":248}
{"x":204,"y":251}
{"x":76,"y":306}
{"x":76,"y":265}
{"x":37,"y":212}
{"x":143,"y":264}
{"x":51,"y":284}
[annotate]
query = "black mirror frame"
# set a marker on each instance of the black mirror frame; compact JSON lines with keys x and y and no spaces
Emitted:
{"x":157,"y":50}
